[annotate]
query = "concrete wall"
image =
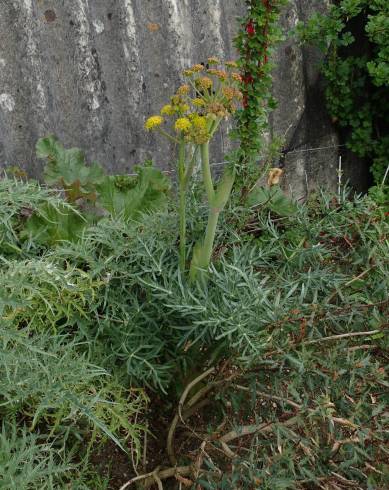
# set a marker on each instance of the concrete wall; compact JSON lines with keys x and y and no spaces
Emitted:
{"x":90,"y":71}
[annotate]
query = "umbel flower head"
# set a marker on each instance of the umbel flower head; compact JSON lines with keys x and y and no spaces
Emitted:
{"x":198,"y":68}
{"x":223,"y":75}
{"x":167,"y":110}
{"x":210,"y":94}
{"x":231,"y":64}
{"x":204,"y":83}
{"x":213,"y":60}
{"x":182,"y":125}
{"x":153,"y":122}
{"x":199,"y":133}
{"x":183,"y":90}
{"x":198,"y":102}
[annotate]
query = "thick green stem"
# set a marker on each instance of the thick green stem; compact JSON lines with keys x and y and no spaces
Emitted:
{"x":182,"y":204}
{"x":202,"y":253}
{"x":191,"y":166}
{"x":168,"y":136}
{"x":217,"y":199}
{"x":209,"y":238}
{"x":207,"y":176}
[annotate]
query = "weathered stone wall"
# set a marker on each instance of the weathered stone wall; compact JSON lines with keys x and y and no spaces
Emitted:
{"x":90,"y":71}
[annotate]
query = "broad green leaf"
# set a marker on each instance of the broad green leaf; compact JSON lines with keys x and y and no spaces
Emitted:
{"x":131,"y":196}
{"x":50,"y":225}
{"x":67,"y":169}
{"x":272,"y":198}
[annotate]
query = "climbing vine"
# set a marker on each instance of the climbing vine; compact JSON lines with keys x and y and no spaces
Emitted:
{"x":258,"y":34}
{"x":354,"y":35}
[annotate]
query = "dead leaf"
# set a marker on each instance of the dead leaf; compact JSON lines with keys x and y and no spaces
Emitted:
{"x":274,"y":176}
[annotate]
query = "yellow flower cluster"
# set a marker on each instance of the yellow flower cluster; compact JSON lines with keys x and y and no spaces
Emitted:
{"x":153,"y":122}
{"x":199,"y":133}
{"x":211,"y":94}
{"x":197,"y":68}
{"x":228,"y":92}
{"x":236,"y":76}
{"x":218,"y":109}
{"x":232,"y":93}
{"x":204,"y":83}
{"x":199,"y":122}
{"x":213,"y":60}
{"x":182,"y":125}
{"x":183,"y":90}
{"x":177,"y":106}
{"x":176,"y":100}
{"x":223,"y":75}
{"x":168,"y":110}
{"x":197,"y":102}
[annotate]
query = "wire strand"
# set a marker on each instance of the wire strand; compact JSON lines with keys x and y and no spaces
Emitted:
{"x":216,"y":164}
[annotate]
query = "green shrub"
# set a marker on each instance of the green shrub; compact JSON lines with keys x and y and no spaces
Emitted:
{"x":19,"y":201}
{"x":354,"y":36}
{"x":84,"y":320}
{"x":41,"y":295}
{"x":52,"y":385}
{"x":27,"y":462}
{"x":154,"y":325}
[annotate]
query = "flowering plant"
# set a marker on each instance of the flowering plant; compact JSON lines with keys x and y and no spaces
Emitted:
{"x":210,"y":95}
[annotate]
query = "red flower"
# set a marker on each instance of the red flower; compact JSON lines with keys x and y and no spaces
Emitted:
{"x":250,"y":28}
{"x":248,"y":79}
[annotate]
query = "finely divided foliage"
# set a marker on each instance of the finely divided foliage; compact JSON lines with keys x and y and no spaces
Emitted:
{"x":298,"y":305}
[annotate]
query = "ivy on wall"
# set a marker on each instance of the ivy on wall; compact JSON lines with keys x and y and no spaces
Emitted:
{"x":258,"y":34}
{"x":354,"y":35}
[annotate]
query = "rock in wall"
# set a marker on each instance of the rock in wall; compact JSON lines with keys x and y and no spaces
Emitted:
{"x":91,"y":71}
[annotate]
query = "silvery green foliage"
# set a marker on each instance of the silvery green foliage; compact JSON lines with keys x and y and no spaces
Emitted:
{"x":28,"y":462}
{"x":154,"y":324}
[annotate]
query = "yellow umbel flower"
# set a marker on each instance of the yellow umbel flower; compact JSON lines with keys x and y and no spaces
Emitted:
{"x":231,"y":64}
{"x":183,"y":108}
{"x":217,"y":109}
{"x":213,"y":60}
{"x":229,"y":92}
{"x":199,"y":131}
{"x":183,"y":125}
{"x":237,"y":77}
{"x":199,"y":122}
{"x":197,"y":68}
{"x":188,"y":73}
{"x":183,"y":90}
{"x":176,"y":100}
{"x":218,"y":73}
{"x":153,"y":122}
{"x":204,"y":83}
{"x":197,"y":102}
{"x":167,"y":110}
